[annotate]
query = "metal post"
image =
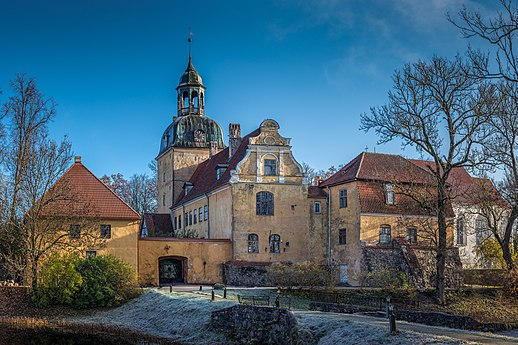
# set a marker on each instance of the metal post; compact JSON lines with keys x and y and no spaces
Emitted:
{"x":170,"y":289}
{"x":225,"y":292}
{"x":201,"y":288}
{"x":392,"y":320}
{"x":212,"y":295}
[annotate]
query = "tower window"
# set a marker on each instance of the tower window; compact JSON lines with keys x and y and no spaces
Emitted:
{"x":270,"y":167}
{"x":264,"y":203}
{"x":253,"y":243}
{"x":275,"y":243}
{"x":342,"y":236}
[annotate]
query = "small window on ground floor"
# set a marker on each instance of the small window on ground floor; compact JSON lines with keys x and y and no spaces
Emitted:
{"x":275,"y":243}
{"x":385,"y":236}
{"x":342,"y":236}
{"x":411,"y":235}
{"x":253,"y":243}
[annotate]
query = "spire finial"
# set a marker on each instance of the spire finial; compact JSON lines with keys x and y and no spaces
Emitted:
{"x":190,"y":42}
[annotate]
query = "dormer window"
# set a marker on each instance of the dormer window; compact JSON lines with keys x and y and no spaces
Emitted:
{"x":389,"y":194}
{"x":220,"y":170}
{"x":270,"y":167}
{"x":187,"y":187}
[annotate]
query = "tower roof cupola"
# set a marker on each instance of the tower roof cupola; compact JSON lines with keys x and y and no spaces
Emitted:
{"x":190,"y":77}
{"x":191,"y":92}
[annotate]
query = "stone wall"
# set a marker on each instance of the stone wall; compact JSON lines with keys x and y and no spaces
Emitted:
{"x":418,"y":263}
{"x":258,"y":325}
{"x":246,"y":274}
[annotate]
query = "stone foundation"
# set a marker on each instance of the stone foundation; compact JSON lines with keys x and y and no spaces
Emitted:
{"x":246,"y":274}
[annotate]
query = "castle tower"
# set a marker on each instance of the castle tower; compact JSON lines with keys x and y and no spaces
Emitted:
{"x":187,"y":141}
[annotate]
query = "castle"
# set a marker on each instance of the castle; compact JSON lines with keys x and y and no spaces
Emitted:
{"x":226,"y":212}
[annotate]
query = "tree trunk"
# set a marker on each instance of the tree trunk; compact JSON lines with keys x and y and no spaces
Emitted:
{"x":441,"y":248}
{"x":506,"y":247}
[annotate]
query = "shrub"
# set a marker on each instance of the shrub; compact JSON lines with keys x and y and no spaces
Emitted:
{"x":107,"y":281}
{"x":99,"y":281}
{"x":308,"y":273}
{"x":58,"y":281}
{"x":389,"y":280}
{"x":511,"y":282}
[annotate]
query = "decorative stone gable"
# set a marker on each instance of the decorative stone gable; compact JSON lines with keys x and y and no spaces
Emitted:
{"x":269,"y":135}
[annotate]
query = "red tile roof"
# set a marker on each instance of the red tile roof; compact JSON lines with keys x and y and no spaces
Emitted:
{"x":157,"y":224}
{"x":90,"y":196}
{"x":316,"y":192}
{"x":379,"y":167}
{"x":204,"y":177}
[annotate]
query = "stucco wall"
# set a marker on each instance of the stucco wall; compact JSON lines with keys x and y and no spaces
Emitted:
{"x":203,"y":258}
{"x":123,"y":241}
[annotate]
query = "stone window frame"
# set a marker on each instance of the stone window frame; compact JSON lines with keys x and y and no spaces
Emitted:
{"x":343,"y":198}
{"x":385,"y":234}
{"x":411,"y":234}
{"x":317,"y":207}
{"x":275,"y":243}
{"x":264,"y":203}
{"x":200,"y":214}
{"x":253,"y":244}
{"x":205,"y":212}
{"x":270,"y":166}
{"x":105,"y":231}
{"x":342,"y":236}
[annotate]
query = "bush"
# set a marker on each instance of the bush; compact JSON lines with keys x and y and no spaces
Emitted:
{"x":511,"y":282}
{"x":59,"y":281}
{"x":308,"y":273}
{"x":107,"y":281}
{"x":389,"y":280}
{"x":99,"y":281}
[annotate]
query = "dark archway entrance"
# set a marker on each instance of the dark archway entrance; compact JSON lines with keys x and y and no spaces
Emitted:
{"x":170,"y":270}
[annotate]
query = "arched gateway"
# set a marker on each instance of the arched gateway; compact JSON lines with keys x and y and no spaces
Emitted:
{"x":171,"y":270}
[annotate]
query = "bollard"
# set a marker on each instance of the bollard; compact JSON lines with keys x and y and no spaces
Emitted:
{"x":212,"y":295}
{"x":170,"y":289}
{"x":278,"y":299}
{"x":388,"y":300}
{"x":392,"y":320}
{"x":225,"y":293}
{"x":201,"y":288}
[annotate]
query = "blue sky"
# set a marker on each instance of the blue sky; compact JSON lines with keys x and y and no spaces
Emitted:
{"x":314,"y":66}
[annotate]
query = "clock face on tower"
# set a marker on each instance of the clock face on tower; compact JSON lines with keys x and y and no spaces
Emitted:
{"x":199,"y":137}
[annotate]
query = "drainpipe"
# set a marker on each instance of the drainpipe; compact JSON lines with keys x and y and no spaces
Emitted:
{"x":328,"y":227}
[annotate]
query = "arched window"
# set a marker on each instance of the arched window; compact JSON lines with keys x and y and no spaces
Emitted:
{"x":185,"y":100}
{"x":253,"y":243}
{"x":385,"y":234}
{"x":275,"y":243}
{"x":264,"y":203}
{"x":270,"y":167}
{"x":481,"y":230}
{"x":195,"y":99}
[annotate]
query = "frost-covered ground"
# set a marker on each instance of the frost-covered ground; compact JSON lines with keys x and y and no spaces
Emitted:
{"x":185,"y":317}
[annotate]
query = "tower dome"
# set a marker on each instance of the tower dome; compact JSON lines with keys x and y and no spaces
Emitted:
{"x":190,"y":77}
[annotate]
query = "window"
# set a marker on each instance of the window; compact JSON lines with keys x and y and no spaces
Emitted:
{"x":75,"y":231}
{"x":179,"y":221}
{"x":200,"y":214}
{"x":460,"y":232}
{"x":253,"y":243}
{"x":163,"y":200}
{"x":481,"y":230}
{"x":106,"y":231}
{"x":186,"y":219}
{"x":264,"y":203}
{"x":220,"y":170}
{"x":411,"y":235}
{"x":343,"y":198}
{"x":316,"y":207}
{"x":91,"y":254}
{"x":342,"y":236}
{"x":195,"y":215}
{"x":190,"y":217}
{"x":270,"y":167}
{"x":389,"y":194}
{"x":275,"y":243}
{"x":175,"y":223}
{"x":205,"y":212}
{"x":164,"y":177}
{"x":385,"y":234}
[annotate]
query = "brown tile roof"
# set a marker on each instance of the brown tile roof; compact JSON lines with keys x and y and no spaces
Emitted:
{"x":91,"y":197}
{"x":157,"y":224}
{"x":204,"y":177}
{"x":316,"y":192}
{"x":378,"y":167}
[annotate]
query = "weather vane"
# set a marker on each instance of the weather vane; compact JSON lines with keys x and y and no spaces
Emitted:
{"x":190,"y":41}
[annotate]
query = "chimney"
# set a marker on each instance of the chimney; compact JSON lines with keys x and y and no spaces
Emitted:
{"x":77,"y":159}
{"x":234,"y":134}
{"x":213,"y":148}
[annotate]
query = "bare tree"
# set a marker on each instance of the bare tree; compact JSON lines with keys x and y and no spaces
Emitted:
{"x":440,"y":109}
